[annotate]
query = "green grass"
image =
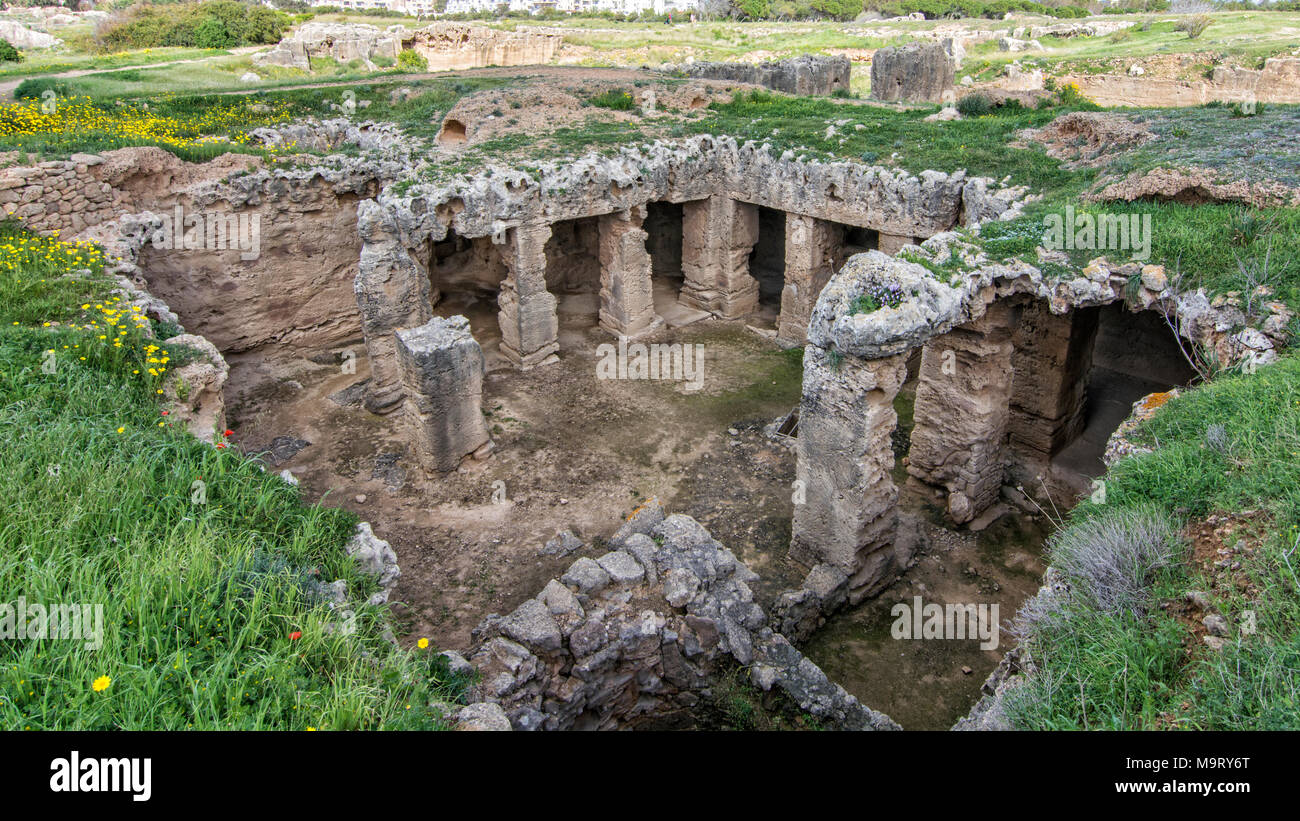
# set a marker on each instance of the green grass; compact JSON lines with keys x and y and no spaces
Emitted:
{"x":1102,"y":671}
{"x":52,"y":62}
{"x":200,"y":593}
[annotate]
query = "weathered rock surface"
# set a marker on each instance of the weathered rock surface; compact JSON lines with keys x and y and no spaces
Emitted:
{"x":446,"y":46}
{"x":915,"y":73}
{"x":442,"y":376}
{"x":805,"y":75}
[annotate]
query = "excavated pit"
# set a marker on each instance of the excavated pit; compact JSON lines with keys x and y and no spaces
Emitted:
{"x":573,"y":451}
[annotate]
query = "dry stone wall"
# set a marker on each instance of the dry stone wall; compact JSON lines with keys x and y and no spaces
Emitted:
{"x":642,"y":634}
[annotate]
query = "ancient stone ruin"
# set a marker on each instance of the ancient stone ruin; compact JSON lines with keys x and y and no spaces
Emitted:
{"x":442,"y":378}
{"x":1005,"y":355}
{"x":805,"y":75}
{"x":915,"y":73}
{"x":639,"y":637}
{"x":445,"y":46}
{"x":1017,"y":369}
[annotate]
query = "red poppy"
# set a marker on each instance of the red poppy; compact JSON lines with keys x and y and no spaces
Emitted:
{"x":165,"y":413}
{"x":228,"y":432}
{"x":295,"y":635}
{"x":221,"y":444}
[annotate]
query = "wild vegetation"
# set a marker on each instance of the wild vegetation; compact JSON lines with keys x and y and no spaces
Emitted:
{"x":1119,"y":651}
{"x":209,"y":570}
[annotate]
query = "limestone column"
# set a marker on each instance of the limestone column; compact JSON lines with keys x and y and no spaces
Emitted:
{"x":442,"y":372}
{"x":626,"y":291}
{"x":847,"y":516}
{"x":1053,"y":355}
{"x":718,"y":235}
{"x":392,"y":290}
{"x":962,"y":408}
{"x":530,"y":327}
{"x":810,"y":248}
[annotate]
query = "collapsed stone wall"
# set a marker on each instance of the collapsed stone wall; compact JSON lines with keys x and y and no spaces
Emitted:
{"x":808,"y":75}
{"x":641,"y":634}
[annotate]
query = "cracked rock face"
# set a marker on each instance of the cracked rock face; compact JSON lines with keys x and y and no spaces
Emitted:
{"x":808,"y":75}
{"x":915,"y":73}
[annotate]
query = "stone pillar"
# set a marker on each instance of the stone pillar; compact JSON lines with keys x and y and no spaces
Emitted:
{"x":626,"y":292}
{"x":392,"y":290}
{"x":1053,"y":355}
{"x":442,"y":372}
{"x":530,"y":327}
{"x":810,"y":248}
{"x":962,"y":407}
{"x":847,"y":517}
{"x":718,"y":235}
{"x":893,"y":243}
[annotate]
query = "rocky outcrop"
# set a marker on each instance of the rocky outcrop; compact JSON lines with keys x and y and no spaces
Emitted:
{"x":643,"y":633}
{"x":1194,"y":186}
{"x":22,"y":38}
{"x":1277,"y":82}
{"x":279,"y":245}
{"x":445,"y":46}
{"x":808,"y":75}
{"x":192,"y":392}
{"x":455,"y":46}
{"x":915,"y":73}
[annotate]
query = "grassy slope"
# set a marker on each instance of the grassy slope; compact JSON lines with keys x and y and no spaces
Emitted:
{"x":200,"y":591}
{"x":1103,"y":671}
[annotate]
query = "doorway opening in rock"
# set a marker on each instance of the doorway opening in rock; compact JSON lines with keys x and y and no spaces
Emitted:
{"x":857,"y":241}
{"x":767,"y":265}
{"x":663,"y":228}
{"x":465,"y":277}
{"x":1133,"y":354}
{"x":573,"y":276}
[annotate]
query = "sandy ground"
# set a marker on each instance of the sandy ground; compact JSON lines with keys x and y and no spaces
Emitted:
{"x":573,"y":452}
{"x":579,"y":453}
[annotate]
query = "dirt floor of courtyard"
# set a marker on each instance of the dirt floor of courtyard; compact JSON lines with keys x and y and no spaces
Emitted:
{"x":580,"y":453}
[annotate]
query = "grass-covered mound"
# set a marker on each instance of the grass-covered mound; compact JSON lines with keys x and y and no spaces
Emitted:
{"x":208,"y":570}
{"x":1214,"y":509}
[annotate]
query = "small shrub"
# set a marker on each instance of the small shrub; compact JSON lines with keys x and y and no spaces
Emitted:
{"x":1247,"y":109}
{"x":1195,"y":26}
{"x":974,"y":105}
{"x":9,"y":54}
{"x":410,"y":61}
{"x":614,"y":99}
{"x":1110,"y":558}
{"x":32,"y":88}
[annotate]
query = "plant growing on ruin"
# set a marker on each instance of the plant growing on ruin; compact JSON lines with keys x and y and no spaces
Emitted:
{"x":878,"y":295}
